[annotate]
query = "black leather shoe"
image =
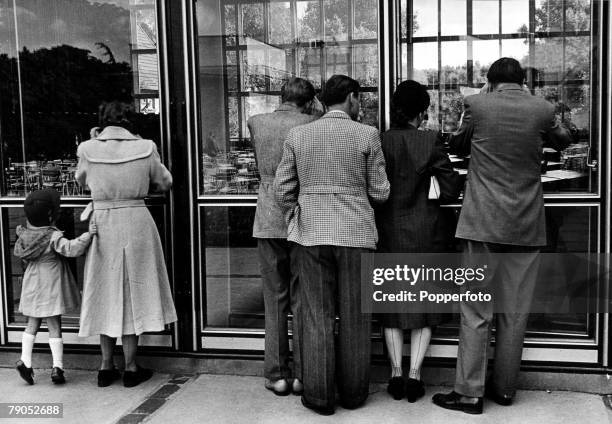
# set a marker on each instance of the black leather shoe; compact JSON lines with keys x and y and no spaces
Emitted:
{"x":57,"y":376}
{"x":415,"y":389}
{"x":396,"y":388}
{"x":107,"y":377}
{"x":321,"y":410}
{"x":24,"y":372}
{"x":458,"y":402}
{"x":134,"y":378}
{"x":491,"y":394}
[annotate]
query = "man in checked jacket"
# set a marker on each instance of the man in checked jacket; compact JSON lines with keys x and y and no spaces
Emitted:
{"x":331,"y":171}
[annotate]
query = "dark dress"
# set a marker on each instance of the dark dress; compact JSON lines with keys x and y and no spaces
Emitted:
{"x":409,"y":222}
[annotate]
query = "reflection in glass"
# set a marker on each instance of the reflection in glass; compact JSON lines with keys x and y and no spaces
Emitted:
{"x":233,"y":281}
{"x":365,"y":24}
{"x":453,"y":15}
{"x":517,"y":48}
{"x":309,"y":21}
{"x":454,"y":62}
{"x":365,"y":64}
{"x":549,"y":15}
{"x":485,"y":17}
{"x":73,"y":55}
{"x":338,"y":60}
{"x":280,"y":23}
{"x":275,"y":40}
{"x":485,"y":53}
{"x":252,"y":15}
{"x":425,"y":18}
{"x":336,"y":20}
{"x":425,"y":63}
{"x":515,"y":16}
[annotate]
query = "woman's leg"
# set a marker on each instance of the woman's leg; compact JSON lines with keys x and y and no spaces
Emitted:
{"x":394,"y":337}
{"x":55,"y":340}
{"x":130,"y":345}
{"x":107,"y":345}
{"x":419,"y":342}
{"x":27,"y":340}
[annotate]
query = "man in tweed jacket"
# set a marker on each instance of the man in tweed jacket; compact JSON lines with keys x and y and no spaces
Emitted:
{"x":331,"y":171}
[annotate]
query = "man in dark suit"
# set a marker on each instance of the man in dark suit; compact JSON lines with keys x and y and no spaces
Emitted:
{"x":330,"y":171}
{"x":502,"y":219}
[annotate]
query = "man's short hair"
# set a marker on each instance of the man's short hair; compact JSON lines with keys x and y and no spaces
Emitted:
{"x":337,"y":88}
{"x":506,"y":69}
{"x":298,"y":91}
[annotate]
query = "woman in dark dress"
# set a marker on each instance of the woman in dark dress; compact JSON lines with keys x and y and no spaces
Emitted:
{"x":411,"y":223}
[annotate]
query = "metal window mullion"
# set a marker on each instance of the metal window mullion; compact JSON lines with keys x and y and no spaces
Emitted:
{"x":469,"y":43}
{"x":266,"y":28}
{"x":531,"y":39}
{"x":439,"y":84}
{"x":321,"y":44}
{"x":350,"y":47}
{"x":295,"y":37}
{"x":239,"y":88}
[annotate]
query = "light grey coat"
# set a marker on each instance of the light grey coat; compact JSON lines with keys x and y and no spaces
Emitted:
{"x":126,"y":288}
{"x":268,"y":131}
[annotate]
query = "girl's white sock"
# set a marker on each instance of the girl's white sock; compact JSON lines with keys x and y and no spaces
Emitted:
{"x":57,"y":351}
{"x":27,"y":344}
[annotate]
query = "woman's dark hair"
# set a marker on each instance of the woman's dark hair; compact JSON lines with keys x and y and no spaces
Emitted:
{"x":298,"y":91}
{"x":410,"y":99}
{"x":116,"y":113}
{"x":506,"y":69}
{"x":337,"y":88}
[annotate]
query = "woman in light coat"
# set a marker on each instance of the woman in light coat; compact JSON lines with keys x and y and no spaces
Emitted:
{"x":126,"y":290}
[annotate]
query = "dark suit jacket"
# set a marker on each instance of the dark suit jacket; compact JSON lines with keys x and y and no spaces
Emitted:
{"x":504,"y":132}
{"x":409,"y":221}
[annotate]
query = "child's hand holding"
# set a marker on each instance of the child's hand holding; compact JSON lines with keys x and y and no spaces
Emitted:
{"x":93,"y":228}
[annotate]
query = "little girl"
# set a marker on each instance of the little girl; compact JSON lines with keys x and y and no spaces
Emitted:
{"x":48,"y":287}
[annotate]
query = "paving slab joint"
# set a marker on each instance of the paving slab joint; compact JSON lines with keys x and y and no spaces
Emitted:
{"x":153,"y":402}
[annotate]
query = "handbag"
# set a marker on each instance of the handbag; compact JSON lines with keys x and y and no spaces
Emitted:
{"x":434,"y":188}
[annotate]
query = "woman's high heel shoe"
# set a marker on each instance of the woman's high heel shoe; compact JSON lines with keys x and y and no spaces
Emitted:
{"x":279,"y":387}
{"x":396,"y":388}
{"x":415,"y":389}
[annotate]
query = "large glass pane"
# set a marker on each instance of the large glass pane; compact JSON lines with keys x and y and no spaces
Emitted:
{"x":485,"y":17}
{"x":453,"y":17}
{"x":515,"y":16}
{"x":424,"y":20}
{"x":558,"y":60}
{"x":248,"y":49}
{"x":59,"y":60}
{"x":232,"y":280}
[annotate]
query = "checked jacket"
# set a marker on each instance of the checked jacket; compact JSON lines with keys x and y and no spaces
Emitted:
{"x":330,"y":172}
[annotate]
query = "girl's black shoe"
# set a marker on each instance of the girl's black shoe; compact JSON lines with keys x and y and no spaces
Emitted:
{"x":107,"y":377}
{"x":26,"y":373}
{"x":57,"y":376}
{"x":415,"y":389}
{"x":396,"y":388}
{"x":134,"y":378}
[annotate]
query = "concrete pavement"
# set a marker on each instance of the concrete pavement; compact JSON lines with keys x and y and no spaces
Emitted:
{"x":233,"y":399}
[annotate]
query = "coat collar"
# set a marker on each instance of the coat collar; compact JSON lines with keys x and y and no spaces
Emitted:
{"x":286,"y":107}
{"x":504,"y":86}
{"x":116,"y":133}
{"x":338,"y":114}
